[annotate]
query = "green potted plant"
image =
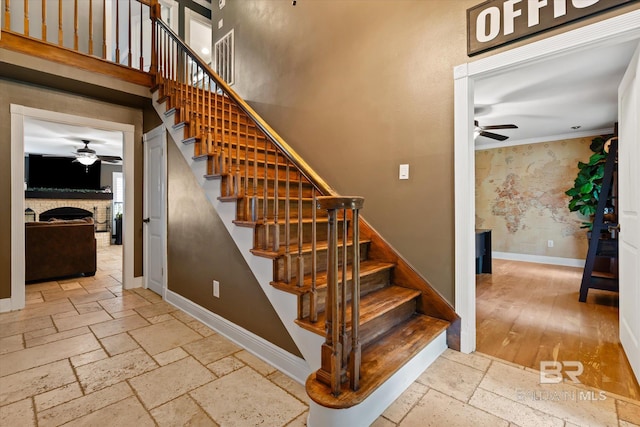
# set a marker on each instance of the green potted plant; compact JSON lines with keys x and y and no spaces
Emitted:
{"x":586,"y":187}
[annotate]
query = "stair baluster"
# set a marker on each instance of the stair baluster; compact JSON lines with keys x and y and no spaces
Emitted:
{"x":276,"y":224}
{"x":287,"y":228}
{"x":254,"y":198}
{"x":7,"y":15}
{"x":313,"y":295}
{"x":44,"y":25}
{"x":299,"y":258}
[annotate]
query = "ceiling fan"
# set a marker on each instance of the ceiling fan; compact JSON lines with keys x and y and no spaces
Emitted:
{"x":87,"y":156}
{"x":482,"y":130}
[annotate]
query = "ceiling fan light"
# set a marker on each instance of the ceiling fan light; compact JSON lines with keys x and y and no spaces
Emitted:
{"x":87,"y":161}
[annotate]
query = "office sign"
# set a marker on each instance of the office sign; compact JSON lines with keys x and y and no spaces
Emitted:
{"x":498,"y":22}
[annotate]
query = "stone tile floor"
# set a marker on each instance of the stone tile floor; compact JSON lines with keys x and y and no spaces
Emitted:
{"x":86,"y":353}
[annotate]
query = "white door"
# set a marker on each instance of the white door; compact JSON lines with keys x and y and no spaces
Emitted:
{"x":629,"y":187}
{"x":154,"y":209}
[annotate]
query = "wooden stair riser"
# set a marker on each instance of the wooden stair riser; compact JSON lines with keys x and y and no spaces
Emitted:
{"x":245,"y":206}
{"x":279,"y":229}
{"x":179,"y":98}
{"x":225,"y":122}
{"x":370,"y":283}
{"x":226,"y":165}
{"x":307,"y":189}
{"x":280,"y":264}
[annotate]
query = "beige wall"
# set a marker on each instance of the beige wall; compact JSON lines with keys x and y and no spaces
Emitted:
{"x":359,"y":87}
{"x":520,"y":197}
{"x":48,"y":99}
{"x":200,"y":250}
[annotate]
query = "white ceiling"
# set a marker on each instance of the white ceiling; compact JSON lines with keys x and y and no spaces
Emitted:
{"x":43,"y":137}
{"x":545,"y":100}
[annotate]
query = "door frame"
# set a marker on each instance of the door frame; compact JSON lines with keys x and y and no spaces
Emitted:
{"x":18,"y":113}
{"x":609,"y":32}
{"x":160,"y":130}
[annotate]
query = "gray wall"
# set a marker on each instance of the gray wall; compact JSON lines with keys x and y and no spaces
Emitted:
{"x":201,"y":250}
{"x":359,"y":87}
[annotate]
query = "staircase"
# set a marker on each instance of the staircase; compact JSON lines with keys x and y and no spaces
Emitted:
{"x":340,"y":271}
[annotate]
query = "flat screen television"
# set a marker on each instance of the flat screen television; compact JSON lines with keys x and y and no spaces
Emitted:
{"x":61,"y":173}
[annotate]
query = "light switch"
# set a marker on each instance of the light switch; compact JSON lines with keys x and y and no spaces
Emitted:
{"x":404,"y":172}
{"x":220,"y":23}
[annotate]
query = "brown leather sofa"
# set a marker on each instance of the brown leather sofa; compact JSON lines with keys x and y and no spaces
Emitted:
{"x":59,"y":248}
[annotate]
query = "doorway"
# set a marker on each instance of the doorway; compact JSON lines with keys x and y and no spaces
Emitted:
{"x":198,"y":34}
{"x":606,"y":33}
{"x":19,"y":114}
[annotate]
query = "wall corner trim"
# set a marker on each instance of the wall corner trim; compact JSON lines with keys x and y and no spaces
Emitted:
{"x":295,"y":367}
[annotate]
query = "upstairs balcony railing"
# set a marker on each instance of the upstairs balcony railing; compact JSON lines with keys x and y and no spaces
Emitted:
{"x":118,"y":31}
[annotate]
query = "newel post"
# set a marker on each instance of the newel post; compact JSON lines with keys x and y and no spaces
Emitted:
{"x":154,"y":14}
{"x":341,"y":356}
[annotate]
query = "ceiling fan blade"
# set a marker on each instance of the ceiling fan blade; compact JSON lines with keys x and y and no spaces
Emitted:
{"x":493,"y":127}
{"x":110,"y":159}
{"x":494,"y":136}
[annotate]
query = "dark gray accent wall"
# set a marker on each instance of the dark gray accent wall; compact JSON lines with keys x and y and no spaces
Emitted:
{"x":200,"y":250}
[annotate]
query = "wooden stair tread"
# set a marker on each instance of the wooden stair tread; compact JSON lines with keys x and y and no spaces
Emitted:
{"x":366,"y":268}
{"x":293,"y":249}
{"x":380,"y":360}
{"x":372,"y":305}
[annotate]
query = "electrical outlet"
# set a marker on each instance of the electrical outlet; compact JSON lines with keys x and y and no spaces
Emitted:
{"x":549,"y":243}
{"x":216,"y":289}
{"x":221,"y":3}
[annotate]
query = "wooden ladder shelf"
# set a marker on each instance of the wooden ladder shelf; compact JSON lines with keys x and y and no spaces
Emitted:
{"x":599,"y":247}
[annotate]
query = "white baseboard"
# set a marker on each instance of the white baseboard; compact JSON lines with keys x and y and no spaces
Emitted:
{"x":293,"y":366}
{"x":539,"y":259}
{"x":5,"y":305}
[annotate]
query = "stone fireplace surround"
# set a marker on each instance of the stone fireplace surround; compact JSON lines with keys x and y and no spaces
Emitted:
{"x":39,"y":206}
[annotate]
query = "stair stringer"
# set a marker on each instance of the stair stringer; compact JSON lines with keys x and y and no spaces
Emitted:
{"x":285,"y":304}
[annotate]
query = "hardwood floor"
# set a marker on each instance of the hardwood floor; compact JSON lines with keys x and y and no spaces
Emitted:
{"x":527,"y":313}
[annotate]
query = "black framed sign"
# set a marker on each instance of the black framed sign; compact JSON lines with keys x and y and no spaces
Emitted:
{"x":498,"y":22}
